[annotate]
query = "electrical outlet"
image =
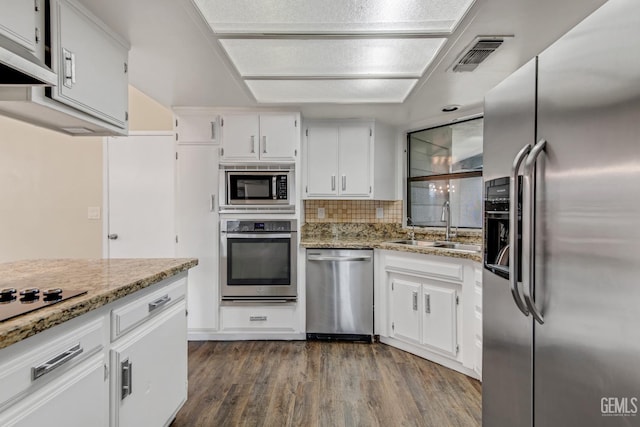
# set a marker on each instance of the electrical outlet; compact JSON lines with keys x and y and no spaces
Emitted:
{"x":93,"y":212}
{"x":379,"y":213}
{"x":320,"y":213}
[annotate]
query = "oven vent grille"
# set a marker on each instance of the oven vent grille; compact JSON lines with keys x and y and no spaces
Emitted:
{"x":480,"y":50}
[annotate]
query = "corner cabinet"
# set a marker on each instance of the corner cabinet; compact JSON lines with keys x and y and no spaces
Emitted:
{"x":430,"y":307}
{"x":260,"y":137}
{"x":348,"y":160}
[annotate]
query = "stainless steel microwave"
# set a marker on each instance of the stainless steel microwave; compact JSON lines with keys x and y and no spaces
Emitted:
{"x":259,"y":187}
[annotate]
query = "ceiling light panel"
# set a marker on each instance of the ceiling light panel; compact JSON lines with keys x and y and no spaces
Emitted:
{"x":333,"y":16}
{"x":349,"y":91}
{"x":403,"y":57}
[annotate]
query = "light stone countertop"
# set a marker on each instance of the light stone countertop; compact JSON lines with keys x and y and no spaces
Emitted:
{"x":378,"y":243}
{"x":106,"y":280}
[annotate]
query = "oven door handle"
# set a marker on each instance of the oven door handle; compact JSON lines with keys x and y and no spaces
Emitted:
{"x":258,"y":236}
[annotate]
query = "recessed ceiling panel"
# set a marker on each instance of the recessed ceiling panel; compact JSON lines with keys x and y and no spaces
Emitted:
{"x":333,"y":16}
{"x":403,"y":57}
{"x":349,"y":91}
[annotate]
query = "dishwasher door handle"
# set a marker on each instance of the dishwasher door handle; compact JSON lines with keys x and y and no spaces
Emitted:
{"x":338,"y":258}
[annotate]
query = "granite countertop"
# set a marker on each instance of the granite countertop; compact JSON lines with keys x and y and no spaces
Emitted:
{"x":106,"y":280}
{"x":378,"y":236}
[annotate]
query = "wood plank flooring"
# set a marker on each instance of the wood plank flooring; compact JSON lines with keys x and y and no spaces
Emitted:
{"x":311,"y":383}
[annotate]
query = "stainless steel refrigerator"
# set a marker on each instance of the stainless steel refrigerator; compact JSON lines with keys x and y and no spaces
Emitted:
{"x":561,"y":297}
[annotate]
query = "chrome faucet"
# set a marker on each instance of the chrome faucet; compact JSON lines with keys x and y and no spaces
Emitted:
{"x":446,"y":217}
{"x":411,"y":234}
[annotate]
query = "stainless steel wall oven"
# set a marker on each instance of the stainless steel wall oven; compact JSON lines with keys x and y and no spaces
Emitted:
{"x":258,"y":260}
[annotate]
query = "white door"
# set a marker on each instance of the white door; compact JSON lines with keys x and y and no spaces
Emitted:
{"x":439,"y":318}
{"x":355,"y":161}
{"x":405,"y":310}
{"x":149,"y":370}
{"x":197,"y":229}
{"x":322,"y":161}
{"x":278,"y":136}
{"x":240,"y":137}
{"x":141,"y":176}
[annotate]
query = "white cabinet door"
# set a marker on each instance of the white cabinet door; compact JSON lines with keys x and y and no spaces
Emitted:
{"x":141,"y":197}
{"x":439,"y":318}
{"x":405,"y":310}
{"x":278,"y":137}
{"x":200,"y":128}
{"x":240,"y":137}
{"x":149,"y":371}
{"x":77,"y":399}
{"x":322,"y":161}
{"x":355,"y":161}
{"x":18,"y":22}
{"x":91,"y":65}
{"x":197,"y":226}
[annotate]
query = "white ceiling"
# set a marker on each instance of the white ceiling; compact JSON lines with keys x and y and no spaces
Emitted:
{"x":176,"y":59}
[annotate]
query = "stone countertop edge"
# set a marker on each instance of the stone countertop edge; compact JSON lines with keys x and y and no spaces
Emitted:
{"x":386,"y":245}
{"x":106,"y":280}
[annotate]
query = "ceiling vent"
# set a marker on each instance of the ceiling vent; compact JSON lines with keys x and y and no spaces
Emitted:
{"x":477,"y":52}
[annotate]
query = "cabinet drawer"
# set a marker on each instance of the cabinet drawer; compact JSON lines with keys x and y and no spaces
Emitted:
{"x":127,"y":317}
{"x":40,"y":359}
{"x":259,"y":318}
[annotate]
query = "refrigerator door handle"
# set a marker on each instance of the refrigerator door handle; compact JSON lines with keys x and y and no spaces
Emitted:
{"x":514,"y":191}
{"x":528,"y":229}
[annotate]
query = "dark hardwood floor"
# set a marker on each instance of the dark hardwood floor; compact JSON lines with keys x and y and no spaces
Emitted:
{"x":310,"y":383}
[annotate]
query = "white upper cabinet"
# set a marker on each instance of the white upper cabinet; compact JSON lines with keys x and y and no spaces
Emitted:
{"x":265,"y":137}
{"x":197,"y":128}
{"x":91,"y":64}
{"x":346,"y":160}
{"x":18,"y":22}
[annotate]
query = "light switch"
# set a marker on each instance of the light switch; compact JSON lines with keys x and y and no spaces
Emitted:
{"x":93,"y":212}
{"x":379,"y":213}
{"x":320,"y":213}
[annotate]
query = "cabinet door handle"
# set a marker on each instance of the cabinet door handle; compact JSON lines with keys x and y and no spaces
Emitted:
{"x":427,"y":304}
{"x":253,"y":144}
{"x":415,"y":301}
{"x":69,"y":71}
{"x":257,"y":318}
{"x":264,"y":144}
{"x":344,"y":182}
{"x":159,"y":303}
{"x":212,"y":203}
{"x":213,"y":131}
{"x":112,"y":236}
{"x":333,"y":183}
{"x":55,"y":362}
{"x":126,"y":376}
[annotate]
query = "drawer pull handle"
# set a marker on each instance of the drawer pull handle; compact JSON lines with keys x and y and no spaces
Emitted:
{"x":159,"y":302}
{"x":55,"y":362}
{"x":257,"y":318}
{"x":127,"y":383}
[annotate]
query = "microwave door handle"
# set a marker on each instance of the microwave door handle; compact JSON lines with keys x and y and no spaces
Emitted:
{"x":528,"y":230}
{"x":514,"y":261}
{"x":274,"y":187}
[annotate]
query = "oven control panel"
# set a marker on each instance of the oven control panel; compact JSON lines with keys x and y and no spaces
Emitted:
{"x":247,"y":226}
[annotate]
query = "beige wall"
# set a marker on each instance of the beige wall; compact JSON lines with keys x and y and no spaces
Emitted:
{"x":49,"y":179}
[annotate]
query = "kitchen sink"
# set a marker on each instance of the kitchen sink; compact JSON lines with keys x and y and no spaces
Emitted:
{"x":453,"y":246}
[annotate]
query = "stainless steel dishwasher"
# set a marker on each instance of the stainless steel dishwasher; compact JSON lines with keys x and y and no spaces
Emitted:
{"x":339,"y":294}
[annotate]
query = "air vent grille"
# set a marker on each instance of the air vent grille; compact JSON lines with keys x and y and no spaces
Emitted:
{"x":476,"y":54}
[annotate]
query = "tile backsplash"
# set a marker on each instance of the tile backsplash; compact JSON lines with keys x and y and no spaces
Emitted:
{"x":353,"y":211}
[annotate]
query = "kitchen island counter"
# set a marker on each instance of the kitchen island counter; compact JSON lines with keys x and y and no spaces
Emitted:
{"x":105,"y":280}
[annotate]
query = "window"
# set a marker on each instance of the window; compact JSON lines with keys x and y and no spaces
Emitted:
{"x":445,"y":164}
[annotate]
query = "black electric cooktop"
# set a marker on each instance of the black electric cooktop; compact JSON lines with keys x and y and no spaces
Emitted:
{"x":15,"y":302}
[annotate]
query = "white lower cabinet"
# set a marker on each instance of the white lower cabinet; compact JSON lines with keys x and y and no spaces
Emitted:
{"x":149,"y":371}
{"x":82,"y":392}
{"x":424,"y":314}
{"x":429,"y":307}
